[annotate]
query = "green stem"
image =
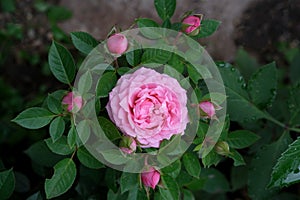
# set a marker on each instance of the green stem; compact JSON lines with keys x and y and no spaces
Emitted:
{"x":275,"y":121}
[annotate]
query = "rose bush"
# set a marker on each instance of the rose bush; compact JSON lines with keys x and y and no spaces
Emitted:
{"x":148,"y":106}
{"x":146,"y":103}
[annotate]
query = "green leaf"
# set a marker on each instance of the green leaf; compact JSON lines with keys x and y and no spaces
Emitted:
{"x":109,"y":129}
{"x":61,"y":63}
{"x":208,"y":27}
{"x":165,"y":8}
{"x":188,"y":195}
{"x":34,"y":118}
{"x":156,"y":56}
{"x":87,"y":159}
{"x":241,"y":139}
{"x":137,"y":194}
{"x":41,"y":154}
{"x":7,"y":183}
{"x":170,"y":188}
{"x":148,"y":32}
{"x":62,"y":179}
{"x":246,"y":63}
{"x":262,"y":86}
{"x":54,"y":101}
{"x":172,"y":72}
{"x":83,"y":132}
{"x":192,"y":164}
{"x":237,"y":96}
{"x":85,"y":83}
{"x":72,"y":137}
{"x":260,"y":168}
{"x":212,"y":158}
{"x":84,"y":42}
{"x":129,"y":181}
{"x":294,"y":105}
{"x":57,"y":128}
{"x":134,"y":57}
{"x":173,"y":169}
{"x":237,"y":158}
{"x":35,"y":196}
{"x":105,"y":84}
{"x":295,"y":69}
{"x":287,"y":168}
{"x":215,"y":181}
{"x":60,"y":146}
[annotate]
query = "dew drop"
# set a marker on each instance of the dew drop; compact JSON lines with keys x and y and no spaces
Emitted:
{"x":232,"y":69}
{"x":240,"y":79}
{"x":273,"y":91}
{"x":221,"y":65}
{"x":244,"y":86}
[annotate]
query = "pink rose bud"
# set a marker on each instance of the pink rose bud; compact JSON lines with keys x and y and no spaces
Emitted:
{"x":117,"y":43}
{"x":191,"y":24}
{"x":150,"y":178}
{"x":128,"y":145}
{"x":208,"y":109}
{"x":74,"y":103}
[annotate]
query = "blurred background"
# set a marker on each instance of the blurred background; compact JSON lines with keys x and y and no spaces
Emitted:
{"x":252,"y":32}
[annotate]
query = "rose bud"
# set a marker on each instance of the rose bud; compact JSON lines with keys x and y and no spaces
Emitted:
{"x":191,"y":24}
{"x":74,"y":103}
{"x":117,"y":44}
{"x":150,"y":178}
{"x":222,"y":148}
{"x":128,"y":145}
{"x":207,"y":109}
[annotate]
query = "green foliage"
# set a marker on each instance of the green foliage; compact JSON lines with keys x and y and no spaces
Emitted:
{"x":208,"y":27}
{"x":34,"y":118}
{"x":61,"y":63}
{"x":106,"y":84}
{"x":87,"y":159}
{"x":7,"y":183}
{"x":241,"y":139}
{"x":62,"y":179}
{"x":192,"y":164}
{"x":170,"y":189}
{"x":60,"y":146}
{"x":286,"y":170}
{"x":261,"y":167}
{"x":262,"y":86}
{"x":165,"y":8}
{"x":57,"y":128}
{"x":84,"y":42}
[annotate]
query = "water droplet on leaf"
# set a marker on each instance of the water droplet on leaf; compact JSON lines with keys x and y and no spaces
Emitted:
{"x":232,"y":69}
{"x":244,"y":85}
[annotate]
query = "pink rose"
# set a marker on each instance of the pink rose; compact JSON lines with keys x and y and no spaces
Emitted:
{"x":117,"y":43}
{"x":150,"y":178}
{"x":74,"y":103}
{"x":148,"y":106}
{"x":208,"y":108}
{"x":191,"y":24}
{"x":128,"y":145}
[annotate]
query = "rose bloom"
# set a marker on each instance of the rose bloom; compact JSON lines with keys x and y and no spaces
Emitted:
{"x":148,"y":106}
{"x":150,"y":178}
